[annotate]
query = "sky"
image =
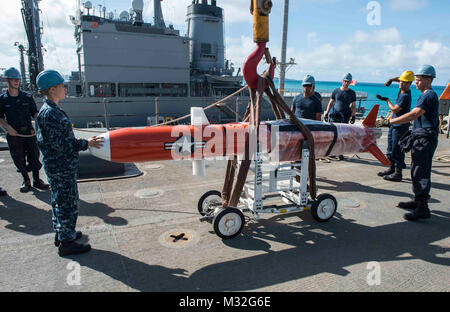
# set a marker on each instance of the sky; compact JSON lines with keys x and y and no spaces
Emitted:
{"x":373,"y":40}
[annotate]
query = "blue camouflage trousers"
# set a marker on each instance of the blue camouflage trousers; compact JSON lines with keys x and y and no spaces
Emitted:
{"x":64,"y":202}
{"x":394,"y":151}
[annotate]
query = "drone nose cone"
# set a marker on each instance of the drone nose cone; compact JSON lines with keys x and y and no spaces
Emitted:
{"x":104,"y":152}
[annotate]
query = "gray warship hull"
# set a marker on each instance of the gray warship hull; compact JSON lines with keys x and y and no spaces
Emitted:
{"x":87,"y":112}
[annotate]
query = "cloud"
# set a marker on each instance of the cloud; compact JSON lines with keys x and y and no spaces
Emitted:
{"x":389,"y":35}
{"x":174,"y":11}
{"x":57,"y":39}
{"x":370,"y":55}
{"x":11,"y":32}
{"x":312,"y":38}
{"x":432,"y":52}
{"x":361,"y":36}
{"x":408,"y":5}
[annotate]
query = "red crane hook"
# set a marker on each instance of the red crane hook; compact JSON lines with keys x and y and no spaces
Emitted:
{"x":250,"y":68}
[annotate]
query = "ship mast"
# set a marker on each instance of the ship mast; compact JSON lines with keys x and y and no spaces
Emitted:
{"x":157,"y":15}
{"x":30,"y":16}
{"x":283,"y":48}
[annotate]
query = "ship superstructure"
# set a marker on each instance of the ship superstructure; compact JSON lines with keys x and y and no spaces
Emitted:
{"x":128,"y":60}
{"x":126,"y":57}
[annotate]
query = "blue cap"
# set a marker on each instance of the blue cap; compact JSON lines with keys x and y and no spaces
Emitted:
{"x":12,"y":73}
{"x":426,"y":70}
{"x":308,"y":80}
{"x":48,"y":78}
{"x":348,"y":77}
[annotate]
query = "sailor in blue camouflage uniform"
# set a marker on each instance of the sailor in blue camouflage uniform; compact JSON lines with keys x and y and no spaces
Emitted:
{"x":60,"y":149}
{"x":422,"y":141}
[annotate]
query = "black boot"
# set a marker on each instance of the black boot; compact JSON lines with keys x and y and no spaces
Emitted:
{"x":421,"y":212}
{"x":3,"y":192}
{"x":395,"y":177}
{"x":38,"y":183}
{"x":391,"y":170}
{"x":57,"y":242}
{"x":408,"y":205}
{"x":26,"y":186}
{"x":72,"y":248}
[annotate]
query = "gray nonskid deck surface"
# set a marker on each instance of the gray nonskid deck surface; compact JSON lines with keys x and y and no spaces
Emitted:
{"x":290,"y":252}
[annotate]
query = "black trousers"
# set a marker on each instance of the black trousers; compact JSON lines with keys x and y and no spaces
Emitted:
{"x":23,"y":150}
{"x":422,"y":153}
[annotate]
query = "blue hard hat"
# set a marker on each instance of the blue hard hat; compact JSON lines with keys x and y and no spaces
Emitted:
{"x":426,"y":70}
{"x":12,"y":73}
{"x":48,"y":78}
{"x":308,"y":80}
{"x":348,"y":77}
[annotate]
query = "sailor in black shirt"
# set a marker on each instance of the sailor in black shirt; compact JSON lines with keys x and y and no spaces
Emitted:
{"x":17,"y":108}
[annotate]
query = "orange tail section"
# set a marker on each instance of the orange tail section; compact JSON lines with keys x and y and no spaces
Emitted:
{"x":375,"y":151}
{"x":370,"y":122}
{"x":371,"y":119}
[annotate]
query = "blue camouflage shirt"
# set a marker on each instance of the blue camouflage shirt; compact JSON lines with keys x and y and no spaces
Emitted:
{"x":57,"y":141}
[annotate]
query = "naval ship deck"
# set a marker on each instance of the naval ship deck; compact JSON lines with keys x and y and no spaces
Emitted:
{"x":128,"y":222}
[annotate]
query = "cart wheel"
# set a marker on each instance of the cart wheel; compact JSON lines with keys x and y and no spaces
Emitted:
{"x":324,"y":207}
{"x":209,"y":201}
{"x":228,"y":222}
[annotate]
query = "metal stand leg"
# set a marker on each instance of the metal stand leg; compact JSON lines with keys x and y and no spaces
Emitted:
{"x":258,"y":203}
{"x":304,"y":176}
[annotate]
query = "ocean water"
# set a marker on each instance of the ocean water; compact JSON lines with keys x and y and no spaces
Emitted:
{"x":372,"y":90}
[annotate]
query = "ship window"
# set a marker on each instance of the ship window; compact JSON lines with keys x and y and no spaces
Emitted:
{"x":139,"y":89}
{"x":152,"y":89}
{"x":206,"y":48}
{"x":208,"y":51}
{"x":174,"y":89}
{"x":102,"y":89}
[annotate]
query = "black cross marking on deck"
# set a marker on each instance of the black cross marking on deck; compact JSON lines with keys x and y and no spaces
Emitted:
{"x":178,"y":237}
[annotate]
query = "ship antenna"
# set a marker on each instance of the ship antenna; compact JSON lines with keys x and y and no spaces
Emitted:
{"x":138,"y":8}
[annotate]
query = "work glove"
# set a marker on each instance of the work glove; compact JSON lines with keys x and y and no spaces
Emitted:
{"x":381,"y":98}
{"x":352,"y":120}
{"x":325,"y":118}
{"x":383,"y":122}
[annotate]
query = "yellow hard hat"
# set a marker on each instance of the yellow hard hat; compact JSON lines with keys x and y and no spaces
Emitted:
{"x":407,"y":76}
